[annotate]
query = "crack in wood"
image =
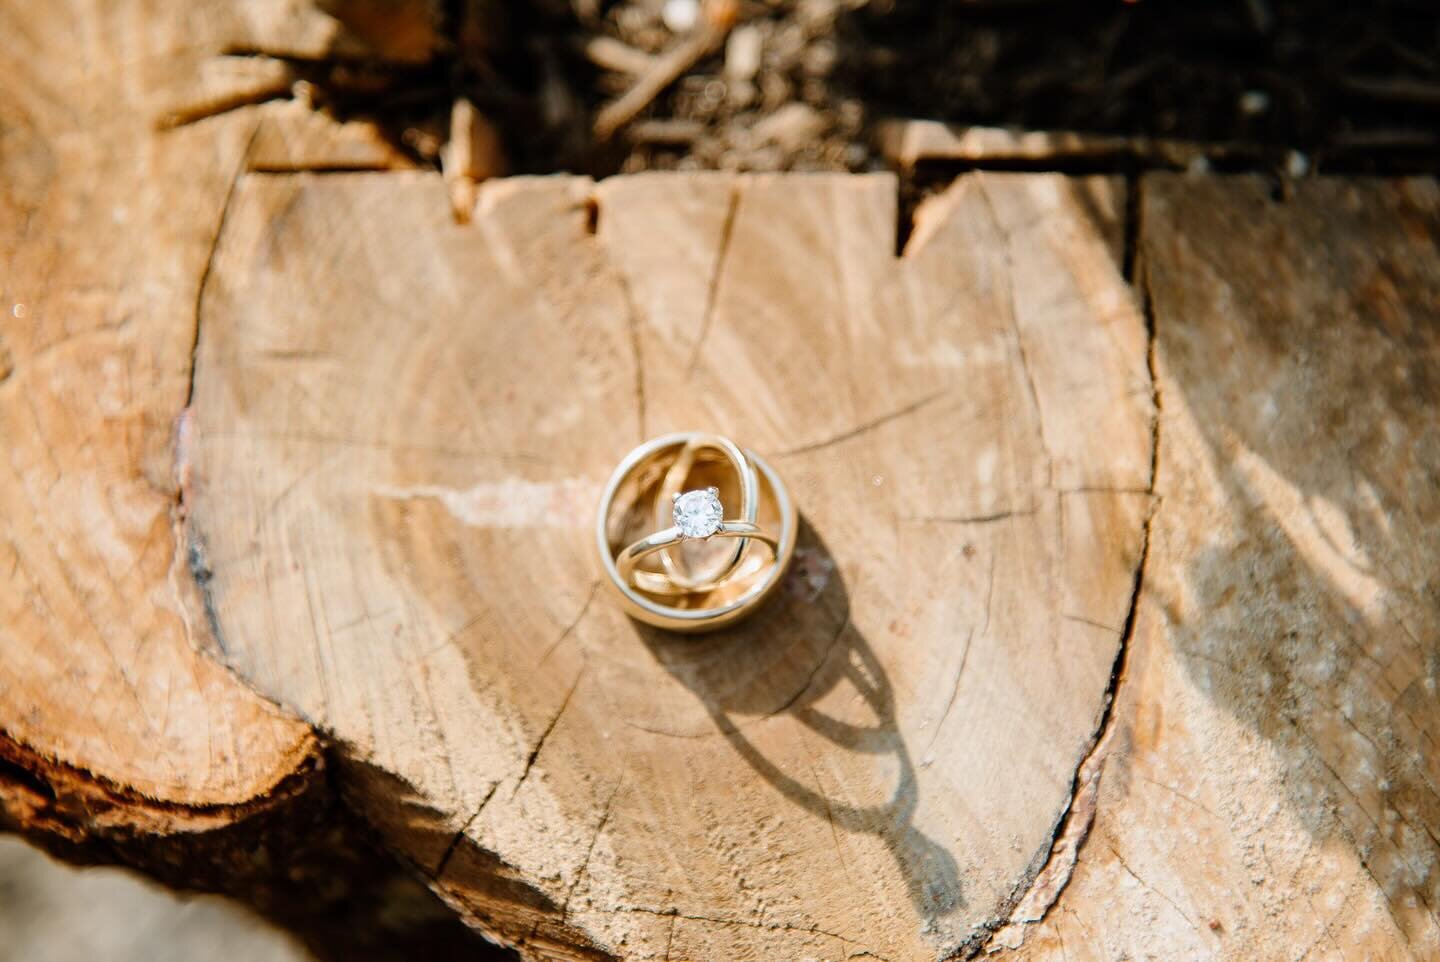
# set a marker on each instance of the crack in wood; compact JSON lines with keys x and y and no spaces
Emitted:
{"x":864,"y":428}
{"x":721,"y":256}
{"x":670,"y":937}
{"x":990,"y":518}
{"x":1325,"y":930}
{"x":1181,"y":795}
{"x":1133,"y":874}
{"x":735,"y":729}
{"x":633,"y":318}
{"x":186,"y":115}
{"x":192,"y":545}
{"x":205,"y":270}
{"x":1094,"y":757}
{"x":1139,"y":279}
{"x":1414,"y":765}
{"x":830,"y":819}
{"x":989,"y":596}
{"x":1130,"y":239}
{"x":1082,"y":620}
{"x":75,"y":339}
{"x":815,"y":670}
{"x":1104,"y":489}
{"x":322,"y":169}
{"x":1380,"y":834}
{"x":590,"y":850}
{"x":1006,"y":243}
{"x":954,"y":689}
{"x":202,"y":574}
{"x":545,"y":735}
{"x":570,"y":628}
{"x":440,"y":866}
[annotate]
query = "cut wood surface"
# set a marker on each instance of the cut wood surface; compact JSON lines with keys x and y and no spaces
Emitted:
{"x":910,"y":143}
{"x":111,"y":199}
{"x":119,"y":739}
{"x":392,"y":475}
{"x":1054,"y":676}
{"x":107,"y":230}
{"x":1269,"y":787}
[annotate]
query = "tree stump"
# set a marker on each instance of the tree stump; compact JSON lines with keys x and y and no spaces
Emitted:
{"x":300,"y":473}
{"x":391,"y":479}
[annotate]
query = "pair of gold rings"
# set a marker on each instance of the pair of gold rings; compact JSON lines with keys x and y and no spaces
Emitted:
{"x":696,"y":569}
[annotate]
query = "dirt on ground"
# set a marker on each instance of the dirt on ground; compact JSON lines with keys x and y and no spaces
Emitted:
{"x":802,"y":84}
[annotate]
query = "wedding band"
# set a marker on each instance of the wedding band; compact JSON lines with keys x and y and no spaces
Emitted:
{"x":649,"y":595}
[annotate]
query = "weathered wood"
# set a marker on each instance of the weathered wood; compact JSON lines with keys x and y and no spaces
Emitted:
{"x":292,"y":136}
{"x":392,"y":474}
{"x":119,"y":740}
{"x":909,"y":143}
{"x":1268,"y":788}
{"x":100,"y":674}
{"x":380,"y":494}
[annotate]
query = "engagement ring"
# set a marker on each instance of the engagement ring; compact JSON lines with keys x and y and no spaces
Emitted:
{"x":682,"y":593}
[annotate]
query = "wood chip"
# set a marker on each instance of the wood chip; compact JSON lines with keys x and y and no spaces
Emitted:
{"x":472,"y":154}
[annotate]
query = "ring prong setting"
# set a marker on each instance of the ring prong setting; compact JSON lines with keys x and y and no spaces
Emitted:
{"x":698,"y":514}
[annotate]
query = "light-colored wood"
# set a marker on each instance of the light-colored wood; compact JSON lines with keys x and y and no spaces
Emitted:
{"x":393,"y":471}
{"x":473,"y":154}
{"x":123,"y":128}
{"x":1268,"y":788}
{"x":106,"y":227}
{"x":381,"y":494}
{"x":908,"y":143}
{"x":292,"y":136}
{"x":117,"y":158}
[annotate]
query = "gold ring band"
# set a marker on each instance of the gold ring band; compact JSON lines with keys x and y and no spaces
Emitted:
{"x":648,"y":595}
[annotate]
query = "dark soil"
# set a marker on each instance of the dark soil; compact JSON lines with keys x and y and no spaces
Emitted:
{"x":1348,"y":86}
{"x":1351,"y":82}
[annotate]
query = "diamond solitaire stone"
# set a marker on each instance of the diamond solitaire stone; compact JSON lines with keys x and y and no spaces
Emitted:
{"x":698,"y":513}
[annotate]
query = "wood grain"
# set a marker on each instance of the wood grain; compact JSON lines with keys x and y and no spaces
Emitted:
{"x":346,"y":553}
{"x":101,"y":673}
{"x":118,"y":162}
{"x":123,"y":128}
{"x":1268,"y":789}
{"x":393,"y":473}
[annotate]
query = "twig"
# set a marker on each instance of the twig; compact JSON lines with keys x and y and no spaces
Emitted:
{"x":1378,"y":139}
{"x":611,"y":54}
{"x":1394,"y":89}
{"x":665,"y":132}
{"x":1262,"y":18}
{"x":667,"y":68}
